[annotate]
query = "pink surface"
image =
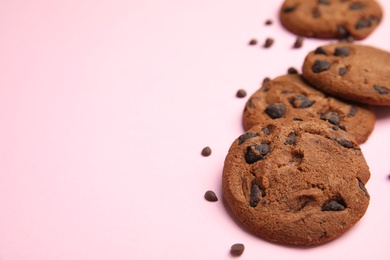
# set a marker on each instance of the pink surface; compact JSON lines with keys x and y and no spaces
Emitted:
{"x":105,"y":107}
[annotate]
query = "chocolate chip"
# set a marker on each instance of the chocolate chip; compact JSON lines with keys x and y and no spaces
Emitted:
{"x":286,"y":91}
{"x":252,"y":42}
{"x":301,"y":101}
{"x":363,"y":188}
{"x":275,"y":110}
{"x":266,"y":79}
{"x":356,"y":6}
{"x":255,"y":153}
{"x":316,"y":12}
{"x":265,"y":130}
{"x":362,"y":23}
{"x":250,"y":103}
{"x":268,"y":42}
{"x":341,"y":52}
{"x":335,"y":128}
{"x":349,"y":38}
{"x":375,"y":19}
{"x":268,"y":22}
{"x":334,"y":205}
{"x":342,"y":71}
{"x":320,"y":66}
{"x":345,"y":143}
{"x":331,"y":117}
{"x":297,"y":119}
{"x":352,"y":111}
{"x":381,"y":89}
{"x":292,"y":70}
{"x":265,"y":88}
{"x":237,"y":249}
{"x":290,"y":139}
{"x":241,"y":93}
{"x":323,"y":2}
{"x":343,"y":127}
{"x":206,"y":151}
{"x":255,"y":195}
{"x":321,"y":51}
{"x":298,"y":42}
{"x":210,"y":196}
{"x":246,"y":136}
{"x":289,"y":9}
{"x":342,"y":31}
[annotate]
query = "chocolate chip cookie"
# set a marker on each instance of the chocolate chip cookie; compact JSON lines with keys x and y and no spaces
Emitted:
{"x":328,"y":19}
{"x":296,"y":182}
{"x":350,"y":71}
{"x":289,"y":96}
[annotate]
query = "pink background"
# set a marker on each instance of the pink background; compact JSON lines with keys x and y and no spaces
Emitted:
{"x":104,"y":109}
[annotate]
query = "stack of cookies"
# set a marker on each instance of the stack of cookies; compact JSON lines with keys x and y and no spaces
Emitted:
{"x":297,"y":175}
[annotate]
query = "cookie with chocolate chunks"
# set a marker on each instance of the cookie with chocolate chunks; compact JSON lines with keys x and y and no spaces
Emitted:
{"x":331,"y":19}
{"x":296,"y":182}
{"x":350,"y":71}
{"x":289,"y":96}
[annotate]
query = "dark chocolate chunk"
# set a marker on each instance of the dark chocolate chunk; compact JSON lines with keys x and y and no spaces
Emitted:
{"x":289,"y":9}
{"x":290,"y":139}
{"x":237,"y":249}
{"x":246,"y":136}
{"x":298,"y":42}
{"x":381,"y":90}
{"x":320,"y":66}
{"x":268,"y":22}
{"x":342,"y":31}
{"x":352,"y":111}
{"x":343,"y":127}
{"x":275,"y":110}
{"x":335,"y":128}
{"x":255,"y":195}
{"x":241,"y":93}
{"x":323,"y":2}
{"x":321,"y":51}
{"x":297,"y":119}
{"x":341,"y":52}
{"x":266,"y":79}
{"x":342,"y":71}
{"x":292,"y":70}
{"x":268,"y":42}
{"x":265,"y":130}
{"x":363,"y":188}
{"x":345,"y":143}
{"x":210,"y":196}
{"x":362,"y":23}
{"x":250,"y":103}
{"x":253,"y":42}
{"x":356,"y":6}
{"x":331,"y":117}
{"x":255,"y":153}
{"x":206,"y":151}
{"x":334,"y":205}
{"x":301,"y":101}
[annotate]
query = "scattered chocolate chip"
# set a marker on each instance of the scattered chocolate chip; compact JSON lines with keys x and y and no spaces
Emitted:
{"x":246,"y":136}
{"x":342,"y":71}
{"x":210,"y":196}
{"x":266,"y":79}
{"x":335,"y":128}
{"x":352,"y":111}
{"x":381,"y":90}
{"x":265,"y":88}
{"x":250,"y":103}
{"x":342,"y":31}
{"x":297,"y":119}
{"x":331,"y":117}
{"x":206,"y":151}
{"x":253,"y":42}
{"x":268,"y":22}
{"x":321,"y":51}
{"x":334,"y":205}
{"x":241,"y":93}
{"x":289,"y":9}
{"x":292,"y":70}
{"x":237,"y":249}
{"x":268,"y":42}
{"x":275,"y":110}
{"x":320,"y":66}
{"x":290,"y":139}
{"x":265,"y":130}
{"x":301,"y":101}
{"x":323,"y":2}
{"x":375,"y":19}
{"x":363,"y":188}
{"x":345,"y":143}
{"x":316,"y":12}
{"x":341,"y":52}
{"x":349,"y":39}
{"x":255,"y":153}
{"x":343,"y":127}
{"x":362,"y":23}
{"x":356,"y":6}
{"x":298,"y":42}
{"x":255,"y":195}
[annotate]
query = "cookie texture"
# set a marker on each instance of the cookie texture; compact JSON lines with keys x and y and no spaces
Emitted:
{"x":296,"y":182}
{"x":289,"y":96}
{"x":328,"y":19}
{"x":350,"y":71}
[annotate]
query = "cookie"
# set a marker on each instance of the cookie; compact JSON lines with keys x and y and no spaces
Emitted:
{"x":289,"y":96}
{"x":296,"y":182}
{"x":354,"y":72}
{"x":327,"y":19}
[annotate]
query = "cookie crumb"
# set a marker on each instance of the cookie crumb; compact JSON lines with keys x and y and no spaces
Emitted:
{"x":268,"y":42}
{"x":268,"y":22}
{"x":252,"y":42}
{"x":298,"y":42}
{"x":237,"y":249}
{"x":206,"y":151}
{"x":241,"y":93}
{"x":210,"y":196}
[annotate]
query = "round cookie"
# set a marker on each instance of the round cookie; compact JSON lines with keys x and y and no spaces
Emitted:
{"x":350,"y":71}
{"x":289,"y":96}
{"x":326,"y":19}
{"x":297,"y":182}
